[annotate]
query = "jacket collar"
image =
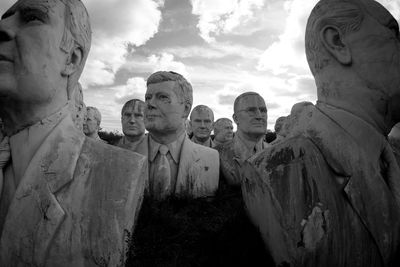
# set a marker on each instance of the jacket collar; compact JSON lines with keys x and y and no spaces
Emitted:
{"x":366,"y":190}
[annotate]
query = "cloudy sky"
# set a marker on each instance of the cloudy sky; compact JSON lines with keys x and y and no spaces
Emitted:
{"x":223,"y":47}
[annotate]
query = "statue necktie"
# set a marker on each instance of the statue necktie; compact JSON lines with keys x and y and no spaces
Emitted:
{"x":162,"y":174}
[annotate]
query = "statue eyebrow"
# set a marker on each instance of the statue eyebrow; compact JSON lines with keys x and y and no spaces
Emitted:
{"x":8,"y":13}
{"x":24,"y":7}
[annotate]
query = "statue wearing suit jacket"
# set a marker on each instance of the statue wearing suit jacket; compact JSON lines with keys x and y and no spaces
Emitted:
{"x":67,"y":200}
{"x":177,"y":166}
{"x":329,"y":194}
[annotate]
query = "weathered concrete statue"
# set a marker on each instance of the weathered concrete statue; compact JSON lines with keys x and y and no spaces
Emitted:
{"x":177,"y":166}
{"x":298,"y":119}
{"x":132,"y":115}
{"x":280,"y":129}
{"x":91,"y":124}
{"x":329,"y":195}
{"x":250,"y":115}
{"x":67,"y":200}
{"x":223,"y":131}
{"x":78,"y":107}
{"x":201,"y":124}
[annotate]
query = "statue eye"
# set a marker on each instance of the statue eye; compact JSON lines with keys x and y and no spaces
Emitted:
{"x":32,"y":15}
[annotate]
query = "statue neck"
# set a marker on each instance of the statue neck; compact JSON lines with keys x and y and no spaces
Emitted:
{"x":249,"y":137}
{"x":369,"y":104}
{"x":201,"y":141}
{"x":133,"y":138}
{"x":167,"y":137}
{"x":17,"y":116}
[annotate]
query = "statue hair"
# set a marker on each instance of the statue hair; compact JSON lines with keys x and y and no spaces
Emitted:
{"x":218,"y":123}
{"x":237,"y":100}
{"x":96,"y":114}
{"x":77,"y":33}
{"x":132,"y":103}
{"x":202,"y":108}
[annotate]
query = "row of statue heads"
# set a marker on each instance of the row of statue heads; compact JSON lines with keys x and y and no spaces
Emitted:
{"x":325,"y":193}
{"x":199,"y":125}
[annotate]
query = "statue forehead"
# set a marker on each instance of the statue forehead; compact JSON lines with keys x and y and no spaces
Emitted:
{"x":90,"y":113}
{"x":44,"y":5}
{"x":251,"y":100}
{"x":202,"y":111}
{"x":223,"y":123}
{"x":280,"y":120}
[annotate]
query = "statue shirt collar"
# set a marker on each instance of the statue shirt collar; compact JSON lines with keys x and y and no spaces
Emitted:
{"x":174,"y":148}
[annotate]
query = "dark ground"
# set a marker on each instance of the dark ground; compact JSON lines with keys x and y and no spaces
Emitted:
{"x":200,"y":232}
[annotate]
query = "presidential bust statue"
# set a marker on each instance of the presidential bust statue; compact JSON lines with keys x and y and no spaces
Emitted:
{"x":328,"y":195}
{"x":67,"y":200}
{"x":177,"y":166}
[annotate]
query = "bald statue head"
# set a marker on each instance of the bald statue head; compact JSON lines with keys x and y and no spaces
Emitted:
{"x":201,"y":123}
{"x":353,"y":50}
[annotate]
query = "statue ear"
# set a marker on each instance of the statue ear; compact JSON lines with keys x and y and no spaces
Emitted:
{"x":332,"y":38}
{"x":74,"y":61}
{"x":188,"y":107}
{"x":234,"y":117}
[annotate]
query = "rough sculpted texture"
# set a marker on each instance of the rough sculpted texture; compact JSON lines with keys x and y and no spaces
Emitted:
{"x":318,"y":205}
{"x":75,"y":205}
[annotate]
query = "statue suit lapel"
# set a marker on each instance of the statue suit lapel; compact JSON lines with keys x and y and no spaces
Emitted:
{"x":366,"y":191}
{"x":189,"y":169}
{"x":51,"y":168}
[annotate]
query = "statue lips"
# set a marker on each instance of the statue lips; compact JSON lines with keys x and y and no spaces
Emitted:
{"x":152,"y":116}
{"x":133,"y":127}
{"x":5,"y":63}
{"x":258,"y":123}
{"x":5,"y":58}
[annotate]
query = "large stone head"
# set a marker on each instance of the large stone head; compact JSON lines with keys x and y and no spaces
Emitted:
{"x":201,"y":122}
{"x":132,"y":115}
{"x":250,"y":115}
{"x":353,"y":41}
{"x":223,"y":130}
{"x":168,"y":99}
{"x":92,"y":122}
{"x":43,"y":48}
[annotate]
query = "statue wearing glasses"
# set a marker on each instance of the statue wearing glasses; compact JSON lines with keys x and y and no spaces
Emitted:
{"x":250,"y":115}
